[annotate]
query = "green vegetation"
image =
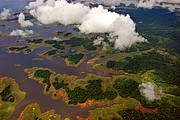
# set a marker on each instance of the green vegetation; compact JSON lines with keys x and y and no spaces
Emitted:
{"x":6,"y":95}
{"x":58,"y":45}
{"x":45,"y":74}
{"x":51,"y":52}
{"x":35,"y":41}
{"x":121,"y":93}
{"x":138,"y":47}
{"x":33,"y":112}
{"x":74,"y":59}
{"x":93,"y":91}
{"x":167,"y":111}
{"x":38,"y":59}
{"x":86,"y":43}
{"x":156,"y":61}
{"x":126,"y":88}
{"x":129,"y":88}
{"x":74,"y":41}
{"x":59,"y":32}
{"x":17,"y":48}
{"x":166,"y":68}
{"x":17,"y":65}
{"x":117,"y":65}
{"x":27,"y":51}
{"x":132,"y":114}
{"x":50,"y":41}
{"x":10,"y":96}
{"x":67,"y":34}
{"x":78,"y":95}
{"x":89,"y":46}
{"x":111,"y":93}
{"x":59,"y":84}
{"x":95,"y":94}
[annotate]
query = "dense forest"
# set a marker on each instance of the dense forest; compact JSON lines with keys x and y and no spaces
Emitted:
{"x":166,"y":68}
{"x":75,"y":58}
{"x":6,"y":94}
{"x":17,"y":48}
{"x":45,"y":74}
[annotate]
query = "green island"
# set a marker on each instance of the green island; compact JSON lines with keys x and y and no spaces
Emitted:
{"x":38,"y":59}
{"x":58,"y":47}
{"x":33,"y":112}
{"x":64,"y":33}
{"x":120,"y":93}
{"x":10,"y":96}
{"x":16,"y":49}
{"x":74,"y":60}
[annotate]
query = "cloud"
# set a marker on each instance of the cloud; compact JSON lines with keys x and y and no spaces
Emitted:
{"x":98,"y":18}
{"x":62,"y":12}
{"x":162,"y":3}
{"x":23,"y":22}
{"x":22,"y":33}
{"x":172,"y":5}
{"x":35,"y":4}
{"x":56,"y":38}
{"x":98,"y":41}
{"x":121,"y":27}
{"x":90,"y":20}
{"x":150,"y":91}
{"x":5,"y":14}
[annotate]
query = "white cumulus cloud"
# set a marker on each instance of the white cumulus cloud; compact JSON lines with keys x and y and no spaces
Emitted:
{"x":35,"y":4}
{"x":22,"y":33}
{"x":23,"y":22}
{"x":5,"y":14}
{"x":90,"y":20}
{"x":121,"y":27}
{"x":150,"y":91}
{"x":62,"y":12}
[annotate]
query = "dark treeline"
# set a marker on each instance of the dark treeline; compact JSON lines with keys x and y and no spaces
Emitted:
{"x":164,"y":67}
{"x":45,"y":74}
{"x":74,"y":58}
{"x":6,"y":94}
{"x":17,"y":48}
{"x":36,"y":41}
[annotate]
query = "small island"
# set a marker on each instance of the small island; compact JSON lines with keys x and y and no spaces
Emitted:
{"x":16,"y":49}
{"x":10,"y":96}
{"x":33,"y":112}
{"x":74,"y":60}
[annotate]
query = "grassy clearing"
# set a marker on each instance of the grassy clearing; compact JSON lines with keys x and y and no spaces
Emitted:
{"x":33,"y":112}
{"x":10,"y":96}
